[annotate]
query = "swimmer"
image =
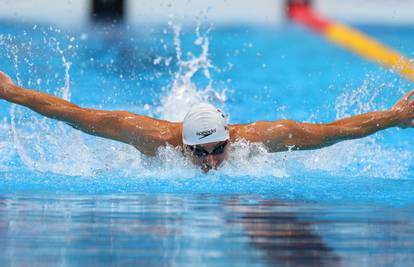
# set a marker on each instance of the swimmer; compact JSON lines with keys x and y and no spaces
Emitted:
{"x":204,"y":136}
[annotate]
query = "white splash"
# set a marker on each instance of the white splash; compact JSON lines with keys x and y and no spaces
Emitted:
{"x":361,"y":157}
{"x":42,"y":144}
{"x":184,"y":92}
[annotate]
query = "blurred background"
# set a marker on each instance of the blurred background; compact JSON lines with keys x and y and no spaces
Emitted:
{"x":76,"y":13}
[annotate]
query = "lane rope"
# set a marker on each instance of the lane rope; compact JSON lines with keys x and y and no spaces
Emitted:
{"x":351,"y":39}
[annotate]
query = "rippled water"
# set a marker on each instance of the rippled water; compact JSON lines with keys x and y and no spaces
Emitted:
{"x":200,"y":230}
{"x":69,"y":199}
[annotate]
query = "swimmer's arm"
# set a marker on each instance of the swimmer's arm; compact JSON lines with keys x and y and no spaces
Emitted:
{"x":144,"y":133}
{"x":286,"y":134}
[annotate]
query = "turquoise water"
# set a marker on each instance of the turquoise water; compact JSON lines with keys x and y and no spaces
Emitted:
{"x":71,"y":199}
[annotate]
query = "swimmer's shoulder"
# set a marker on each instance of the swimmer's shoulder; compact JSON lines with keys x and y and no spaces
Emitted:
{"x":258,"y":131}
{"x":157,"y":133}
{"x":238,"y":131}
{"x":174,"y":135}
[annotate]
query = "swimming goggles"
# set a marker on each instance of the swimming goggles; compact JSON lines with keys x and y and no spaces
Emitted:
{"x":201,"y":152}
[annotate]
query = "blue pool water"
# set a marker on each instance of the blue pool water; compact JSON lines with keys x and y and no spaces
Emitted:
{"x":69,"y":199}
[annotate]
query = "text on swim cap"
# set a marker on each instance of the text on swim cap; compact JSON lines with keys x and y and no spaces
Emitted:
{"x":206,"y":133}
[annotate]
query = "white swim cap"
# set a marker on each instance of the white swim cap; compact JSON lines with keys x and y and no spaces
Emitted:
{"x":204,"y":124}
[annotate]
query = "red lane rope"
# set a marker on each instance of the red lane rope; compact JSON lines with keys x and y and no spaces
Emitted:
{"x":303,"y":13}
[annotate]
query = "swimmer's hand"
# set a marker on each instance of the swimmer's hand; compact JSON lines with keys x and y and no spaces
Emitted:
{"x":405,"y":110}
{"x":4,"y":81}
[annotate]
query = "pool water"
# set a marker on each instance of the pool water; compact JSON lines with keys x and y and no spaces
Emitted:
{"x":69,"y":199}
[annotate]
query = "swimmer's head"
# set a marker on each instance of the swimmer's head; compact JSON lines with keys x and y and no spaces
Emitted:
{"x":204,"y":124}
{"x":205,"y":136}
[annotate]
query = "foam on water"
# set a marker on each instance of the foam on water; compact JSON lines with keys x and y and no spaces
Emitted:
{"x":47,"y":146}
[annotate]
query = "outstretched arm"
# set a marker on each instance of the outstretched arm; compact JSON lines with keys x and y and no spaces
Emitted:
{"x":284,"y":134}
{"x":144,"y":133}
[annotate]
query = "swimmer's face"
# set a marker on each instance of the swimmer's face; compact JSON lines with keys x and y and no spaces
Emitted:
{"x":208,"y":156}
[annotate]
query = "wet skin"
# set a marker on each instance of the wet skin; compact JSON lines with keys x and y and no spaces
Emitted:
{"x":149,"y":134}
{"x":210,"y":161}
